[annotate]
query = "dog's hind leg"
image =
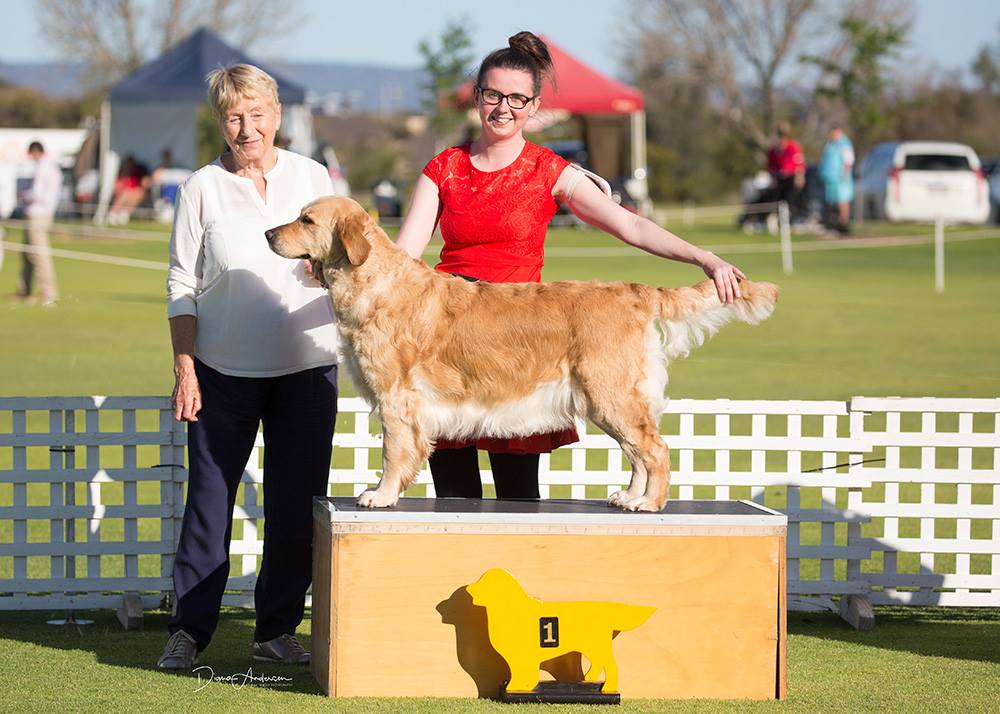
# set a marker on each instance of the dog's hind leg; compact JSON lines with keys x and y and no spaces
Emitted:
{"x":637,"y":484}
{"x":404,"y":448}
{"x":638,"y":434}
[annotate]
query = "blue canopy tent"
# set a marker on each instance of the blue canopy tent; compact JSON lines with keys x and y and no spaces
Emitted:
{"x":156,"y":107}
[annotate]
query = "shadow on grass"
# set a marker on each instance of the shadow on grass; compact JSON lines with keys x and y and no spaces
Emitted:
{"x":135,"y":297}
{"x":228,"y":655}
{"x":954,"y":633}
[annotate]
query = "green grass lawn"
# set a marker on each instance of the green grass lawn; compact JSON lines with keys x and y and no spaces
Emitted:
{"x":916,"y":660}
{"x":853,"y":322}
{"x":856,"y":321}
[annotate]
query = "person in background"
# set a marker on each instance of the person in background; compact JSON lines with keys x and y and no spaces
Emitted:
{"x":836,"y":167}
{"x":130,"y":190}
{"x":494,"y":198}
{"x":787,"y":165}
{"x":40,"y":208}
{"x":166,"y":162}
{"x":255,"y":342}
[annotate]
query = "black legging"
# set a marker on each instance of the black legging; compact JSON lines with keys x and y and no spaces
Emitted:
{"x":456,"y":473}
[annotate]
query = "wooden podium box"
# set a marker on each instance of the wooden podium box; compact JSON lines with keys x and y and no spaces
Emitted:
{"x":391,"y":616}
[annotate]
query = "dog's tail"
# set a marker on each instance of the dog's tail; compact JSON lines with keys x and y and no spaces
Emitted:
{"x":629,"y":617}
{"x":691,"y":315}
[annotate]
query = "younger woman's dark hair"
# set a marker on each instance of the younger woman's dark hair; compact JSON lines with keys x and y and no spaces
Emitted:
{"x":525,"y":51}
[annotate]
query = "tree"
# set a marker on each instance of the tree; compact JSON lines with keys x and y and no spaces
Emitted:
{"x":859,"y":77}
{"x":692,"y":154}
{"x":23,"y":107}
{"x":735,"y":49}
{"x":116,"y":36}
{"x":986,"y":68}
{"x":447,"y":65}
{"x":744,"y":53}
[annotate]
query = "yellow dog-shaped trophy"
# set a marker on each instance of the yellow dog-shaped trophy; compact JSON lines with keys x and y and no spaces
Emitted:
{"x":526,"y":631}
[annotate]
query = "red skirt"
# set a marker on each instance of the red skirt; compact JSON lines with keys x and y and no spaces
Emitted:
{"x":531,"y":444}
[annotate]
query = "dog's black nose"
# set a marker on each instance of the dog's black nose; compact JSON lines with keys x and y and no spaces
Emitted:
{"x":270,"y":235}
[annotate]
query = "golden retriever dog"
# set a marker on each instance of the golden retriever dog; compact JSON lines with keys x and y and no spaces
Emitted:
{"x":526,"y":631}
{"x":440,"y":356}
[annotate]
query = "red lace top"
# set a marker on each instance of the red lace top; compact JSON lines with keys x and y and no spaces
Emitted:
{"x":493,"y":224}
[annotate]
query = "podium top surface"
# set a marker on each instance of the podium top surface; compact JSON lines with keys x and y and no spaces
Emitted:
{"x":544,"y":512}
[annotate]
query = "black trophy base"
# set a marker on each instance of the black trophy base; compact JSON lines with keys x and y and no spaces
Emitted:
{"x":562,"y":693}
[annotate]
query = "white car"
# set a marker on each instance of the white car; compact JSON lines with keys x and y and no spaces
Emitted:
{"x":924,"y":181}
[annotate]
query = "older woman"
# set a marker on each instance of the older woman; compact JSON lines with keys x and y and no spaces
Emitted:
{"x":254,"y":342}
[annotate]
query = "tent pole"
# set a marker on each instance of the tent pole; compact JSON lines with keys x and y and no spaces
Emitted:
{"x":639,"y":172}
{"x":103,"y":195}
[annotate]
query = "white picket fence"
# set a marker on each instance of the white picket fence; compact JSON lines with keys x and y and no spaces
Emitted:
{"x":92,"y":489}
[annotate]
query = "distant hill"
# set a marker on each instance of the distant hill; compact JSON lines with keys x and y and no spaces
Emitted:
{"x":334,"y":88}
{"x":59,"y":80}
{"x":345,"y":88}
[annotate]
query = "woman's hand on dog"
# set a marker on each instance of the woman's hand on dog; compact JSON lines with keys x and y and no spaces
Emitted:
{"x":726,"y":277}
{"x":314,"y":270}
{"x":186,"y":397}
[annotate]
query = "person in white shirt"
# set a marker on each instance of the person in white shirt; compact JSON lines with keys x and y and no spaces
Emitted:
{"x":41,"y":201}
{"x":254,"y":341}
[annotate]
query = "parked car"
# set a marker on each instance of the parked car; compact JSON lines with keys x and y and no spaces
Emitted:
{"x":990,"y":165}
{"x":574,"y":151}
{"x":922,"y":181}
{"x":994,"y":183}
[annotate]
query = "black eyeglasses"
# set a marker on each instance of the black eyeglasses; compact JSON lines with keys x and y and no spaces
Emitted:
{"x":514,"y":101}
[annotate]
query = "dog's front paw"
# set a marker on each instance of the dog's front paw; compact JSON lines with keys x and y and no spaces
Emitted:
{"x":618,"y":499}
{"x":641,"y":503}
{"x":374,"y":498}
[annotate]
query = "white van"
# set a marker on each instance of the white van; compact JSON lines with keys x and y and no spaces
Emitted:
{"x":922,"y":181}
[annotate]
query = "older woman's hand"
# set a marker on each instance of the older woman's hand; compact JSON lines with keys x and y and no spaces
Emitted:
{"x":186,"y":397}
{"x":726,"y":277}
{"x":314,"y":270}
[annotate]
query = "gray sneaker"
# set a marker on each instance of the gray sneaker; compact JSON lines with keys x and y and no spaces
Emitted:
{"x":285,"y":649}
{"x":181,"y":652}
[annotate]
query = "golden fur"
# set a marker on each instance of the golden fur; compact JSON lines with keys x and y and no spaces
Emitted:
{"x":443,"y":357}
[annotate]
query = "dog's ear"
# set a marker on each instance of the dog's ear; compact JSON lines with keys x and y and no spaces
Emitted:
{"x":351,"y":232}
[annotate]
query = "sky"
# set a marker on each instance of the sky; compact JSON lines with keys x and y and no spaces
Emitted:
{"x":947,"y":33}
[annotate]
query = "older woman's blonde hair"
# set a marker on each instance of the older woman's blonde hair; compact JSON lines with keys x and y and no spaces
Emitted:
{"x":228,"y":85}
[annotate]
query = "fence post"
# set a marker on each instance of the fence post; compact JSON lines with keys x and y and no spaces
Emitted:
{"x":785,"y":230}
{"x":939,"y":255}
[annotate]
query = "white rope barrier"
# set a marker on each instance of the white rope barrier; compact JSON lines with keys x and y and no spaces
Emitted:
{"x":77,"y":229}
{"x":557,"y":251}
{"x":87,"y":257}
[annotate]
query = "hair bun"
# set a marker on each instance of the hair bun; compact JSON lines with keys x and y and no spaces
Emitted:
{"x":525,"y":51}
{"x":532,"y":45}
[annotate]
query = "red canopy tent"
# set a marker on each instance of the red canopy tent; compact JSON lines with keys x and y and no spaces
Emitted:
{"x":612,"y":114}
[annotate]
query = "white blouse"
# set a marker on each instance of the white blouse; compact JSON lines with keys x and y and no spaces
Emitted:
{"x":258,"y":314}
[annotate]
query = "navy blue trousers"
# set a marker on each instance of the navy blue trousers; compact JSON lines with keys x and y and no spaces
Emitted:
{"x":298,"y":412}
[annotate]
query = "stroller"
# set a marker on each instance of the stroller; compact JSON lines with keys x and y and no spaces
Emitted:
{"x":756,"y":190}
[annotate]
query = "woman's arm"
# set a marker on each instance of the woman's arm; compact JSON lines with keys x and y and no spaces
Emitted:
{"x":594,"y":207}
{"x":418,"y":226}
{"x":183,"y":284}
{"x":186,"y":397}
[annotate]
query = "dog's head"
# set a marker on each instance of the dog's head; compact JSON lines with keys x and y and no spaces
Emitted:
{"x":496,"y":585}
{"x":328,"y":231}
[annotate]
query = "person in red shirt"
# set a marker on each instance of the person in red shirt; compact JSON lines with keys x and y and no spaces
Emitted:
{"x":787,"y":165}
{"x":493,"y":198}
